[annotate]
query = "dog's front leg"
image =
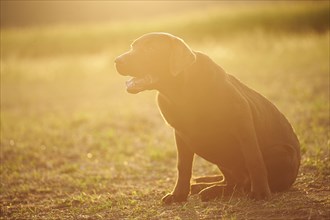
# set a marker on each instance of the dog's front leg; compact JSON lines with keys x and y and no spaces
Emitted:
{"x":184,"y":166}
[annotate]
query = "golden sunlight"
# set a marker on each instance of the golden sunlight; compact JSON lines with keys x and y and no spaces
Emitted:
{"x":82,"y":135}
{"x":23,"y":13}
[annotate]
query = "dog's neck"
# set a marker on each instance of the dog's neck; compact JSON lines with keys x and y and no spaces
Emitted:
{"x":192,"y":79}
{"x":172,"y":88}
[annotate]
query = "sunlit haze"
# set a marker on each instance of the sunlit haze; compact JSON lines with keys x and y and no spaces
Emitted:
{"x":82,"y":136}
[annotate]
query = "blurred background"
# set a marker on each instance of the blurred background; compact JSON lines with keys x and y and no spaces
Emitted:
{"x":72,"y":44}
{"x":31,"y":13}
{"x":68,"y":126}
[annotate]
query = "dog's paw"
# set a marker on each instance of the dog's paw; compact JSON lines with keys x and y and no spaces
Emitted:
{"x":211,"y":193}
{"x":171,"y":198}
{"x":260,"y":195}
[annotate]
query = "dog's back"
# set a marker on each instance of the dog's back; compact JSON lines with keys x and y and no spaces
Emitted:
{"x":271,"y":125}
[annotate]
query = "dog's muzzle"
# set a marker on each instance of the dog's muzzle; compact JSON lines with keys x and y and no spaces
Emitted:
{"x":138,"y":84}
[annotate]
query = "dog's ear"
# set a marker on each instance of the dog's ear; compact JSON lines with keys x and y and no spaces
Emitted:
{"x":181,"y":56}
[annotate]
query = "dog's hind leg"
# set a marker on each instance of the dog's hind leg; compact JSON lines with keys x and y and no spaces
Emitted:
{"x":197,"y":187}
{"x":205,"y":182}
{"x":218,"y":191}
{"x":282,"y":166}
{"x":209,"y":179}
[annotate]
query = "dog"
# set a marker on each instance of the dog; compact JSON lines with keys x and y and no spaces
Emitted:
{"x":215,"y":116}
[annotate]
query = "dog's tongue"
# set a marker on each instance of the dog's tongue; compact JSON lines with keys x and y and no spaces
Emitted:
{"x":138,"y":84}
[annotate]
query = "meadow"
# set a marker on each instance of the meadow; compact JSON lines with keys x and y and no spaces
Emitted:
{"x":76,"y":145}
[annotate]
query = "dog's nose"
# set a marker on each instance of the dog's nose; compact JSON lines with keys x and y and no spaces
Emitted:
{"x":123,"y":58}
{"x":118,"y":60}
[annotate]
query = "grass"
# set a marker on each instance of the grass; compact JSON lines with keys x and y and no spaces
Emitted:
{"x":75,"y":145}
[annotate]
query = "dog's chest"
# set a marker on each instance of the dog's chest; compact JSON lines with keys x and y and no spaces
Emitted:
{"x":205,"y":130}
{"x":194,"y":118}
{"x":172,"y":113}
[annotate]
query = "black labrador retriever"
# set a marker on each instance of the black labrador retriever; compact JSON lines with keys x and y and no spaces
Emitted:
{"x":215,"y":116}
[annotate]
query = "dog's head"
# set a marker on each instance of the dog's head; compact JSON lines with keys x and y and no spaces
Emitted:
{"x":152,"y":60}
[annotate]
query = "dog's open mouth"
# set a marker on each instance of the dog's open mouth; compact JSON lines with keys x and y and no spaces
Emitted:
{"x":138,"y":84}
